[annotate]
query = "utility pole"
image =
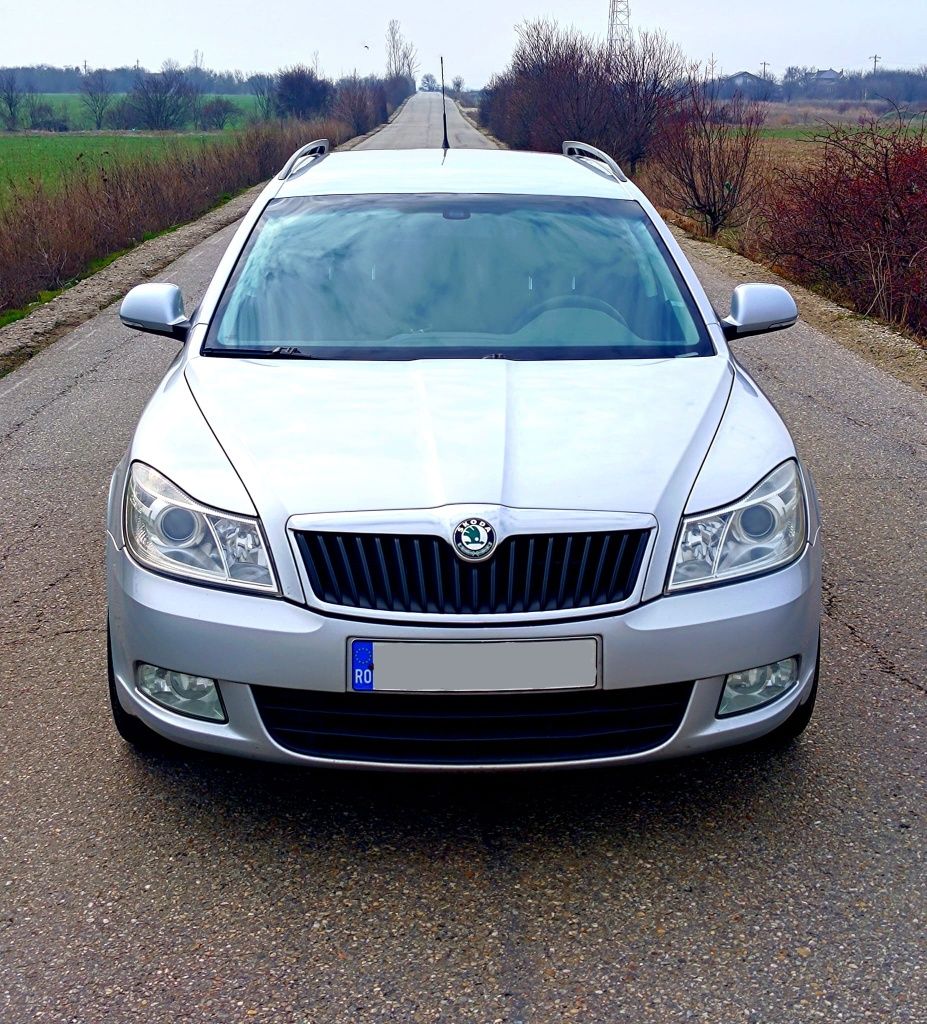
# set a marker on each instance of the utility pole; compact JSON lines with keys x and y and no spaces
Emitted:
{"x":875,"y":58}
{"x":765,"y":66}
{"x":619,"y":24}
{"x":445,"y":145}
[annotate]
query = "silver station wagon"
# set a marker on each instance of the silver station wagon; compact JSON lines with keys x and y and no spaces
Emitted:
{"x":455,"y":470}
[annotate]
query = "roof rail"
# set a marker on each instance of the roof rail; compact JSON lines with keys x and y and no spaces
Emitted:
{"x":580,"y":149}
{"x":316,"y":149}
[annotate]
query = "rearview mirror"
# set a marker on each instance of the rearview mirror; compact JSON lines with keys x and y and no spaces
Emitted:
{"x":156,"y":308}
{"x":758,"y":308}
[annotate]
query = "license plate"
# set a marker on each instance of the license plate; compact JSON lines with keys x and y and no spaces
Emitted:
{"x":473,"y":665}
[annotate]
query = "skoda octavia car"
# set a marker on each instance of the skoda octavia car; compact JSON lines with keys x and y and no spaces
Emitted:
{"x":455,"y":470}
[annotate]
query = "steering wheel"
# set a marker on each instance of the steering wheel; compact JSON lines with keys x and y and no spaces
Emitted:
{"x":569,"y":302}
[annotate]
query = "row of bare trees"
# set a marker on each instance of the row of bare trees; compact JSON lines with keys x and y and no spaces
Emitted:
{"x":641,"y":102}
{"x":174,"y":98}
{"x":850,"y":220}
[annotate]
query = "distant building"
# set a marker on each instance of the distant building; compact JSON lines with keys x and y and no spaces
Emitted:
{"x":827,"y":77}
{"x":746,"y":80}
{"x":749,"y":85}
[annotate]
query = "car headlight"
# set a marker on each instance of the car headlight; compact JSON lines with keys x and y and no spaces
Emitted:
{"x":764,"y":530}
{"x":168,"y":531}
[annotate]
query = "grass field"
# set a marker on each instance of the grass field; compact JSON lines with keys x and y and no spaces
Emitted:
{"x":46,"y":157}
{"x":77,"y":114}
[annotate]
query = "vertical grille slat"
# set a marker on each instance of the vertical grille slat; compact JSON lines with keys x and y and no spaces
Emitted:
{"x":529,"y":569}
{"x":439,"y":574}
{"x":581,"y":570}
{"x":384,"y":572}
{"x":423,"y":574}
{"x":564,"y":571}
{"x":347,"y":570}
{"x":599,"y":569}
{"x":370,"y":593}
{"x":401,"y":573}
{"x":619,"y":560}
{"x":420,"y":573}
{"x":545,"y":578}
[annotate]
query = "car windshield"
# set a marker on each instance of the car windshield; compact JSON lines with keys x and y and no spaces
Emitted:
{"x":456,"y":276}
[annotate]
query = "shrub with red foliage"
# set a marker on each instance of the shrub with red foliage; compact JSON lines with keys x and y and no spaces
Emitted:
{"x":855,"y":222}
{"x":49,"y":236}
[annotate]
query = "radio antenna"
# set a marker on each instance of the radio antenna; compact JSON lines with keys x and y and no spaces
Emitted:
{"x":445,"y":144}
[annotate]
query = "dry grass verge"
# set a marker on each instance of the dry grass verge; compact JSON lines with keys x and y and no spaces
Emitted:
{"x":49,"y":237}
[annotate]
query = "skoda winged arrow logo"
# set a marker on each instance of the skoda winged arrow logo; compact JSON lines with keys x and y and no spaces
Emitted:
{"x":474,"y":539}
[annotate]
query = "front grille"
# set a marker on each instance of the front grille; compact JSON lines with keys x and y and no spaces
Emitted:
{"x":456,"y":729}
{"x":527,"y":573}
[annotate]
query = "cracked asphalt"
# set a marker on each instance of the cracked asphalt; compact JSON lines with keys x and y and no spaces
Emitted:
{"x":748,"y":886}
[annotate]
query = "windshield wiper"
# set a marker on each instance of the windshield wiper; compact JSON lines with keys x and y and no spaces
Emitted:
{"x":280,"y":352}
{"x":291,"y":350}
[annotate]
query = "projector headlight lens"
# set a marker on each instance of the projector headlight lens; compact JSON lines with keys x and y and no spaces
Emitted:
{"x":763,"y":531}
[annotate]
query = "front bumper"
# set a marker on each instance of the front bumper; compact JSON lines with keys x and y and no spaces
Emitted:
{"x":243,"y":640}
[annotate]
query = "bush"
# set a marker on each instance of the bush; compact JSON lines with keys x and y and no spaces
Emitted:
{"x":705,"y":161}
{"x":300,"y":92}
{"x":855,"y":221}
{"x":561,"y":84}
{"x":122,"y":116}
{"x":217,"y":114}
{"x":354,"y":104}
{"x":50,"y":236}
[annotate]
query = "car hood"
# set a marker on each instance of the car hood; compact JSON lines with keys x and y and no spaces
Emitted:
{"x":325,"y":436}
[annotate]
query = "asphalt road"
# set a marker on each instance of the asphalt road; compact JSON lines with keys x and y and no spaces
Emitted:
{"x":420,"y":126}
{"x":743,"y":887}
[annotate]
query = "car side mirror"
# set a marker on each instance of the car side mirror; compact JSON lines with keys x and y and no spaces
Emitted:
{"x":758,"y":308}
{"x":157,"y":309}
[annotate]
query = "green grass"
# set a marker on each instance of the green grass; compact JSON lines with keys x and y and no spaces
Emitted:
{"x":80,"y":120}
{"x":46,"y":158}
{"x":797,"y":133}
{"x":804,"y":132}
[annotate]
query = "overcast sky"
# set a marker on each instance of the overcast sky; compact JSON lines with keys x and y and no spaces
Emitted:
{"x":476,"y":36}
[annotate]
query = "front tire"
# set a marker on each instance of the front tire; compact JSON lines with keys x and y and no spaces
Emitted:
{"x":132,"y":729}
{"x":800,"y":718}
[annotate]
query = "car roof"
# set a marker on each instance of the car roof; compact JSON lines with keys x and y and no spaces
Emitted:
{"x":486,"y":171}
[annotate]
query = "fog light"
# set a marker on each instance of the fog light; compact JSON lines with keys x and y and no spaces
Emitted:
{"x":196,"y":696}
{"x":754,"y":687}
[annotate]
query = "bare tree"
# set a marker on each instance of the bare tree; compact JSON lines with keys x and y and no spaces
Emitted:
{"x":401,"y":55}
{"x":216,"y":114}
{"x":194,"y":75}
{"x":558,"y":88}
{"x":96,"y":95}
{"x":457,"y":84}
{"x":262,"y":89}
{"x":646,"y":70}
{"x":353,"y":104}
{"x":707,"y":156}
{"x":11,"y":99}
{"x":162,"y":99}
{"x":429,"y":83}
